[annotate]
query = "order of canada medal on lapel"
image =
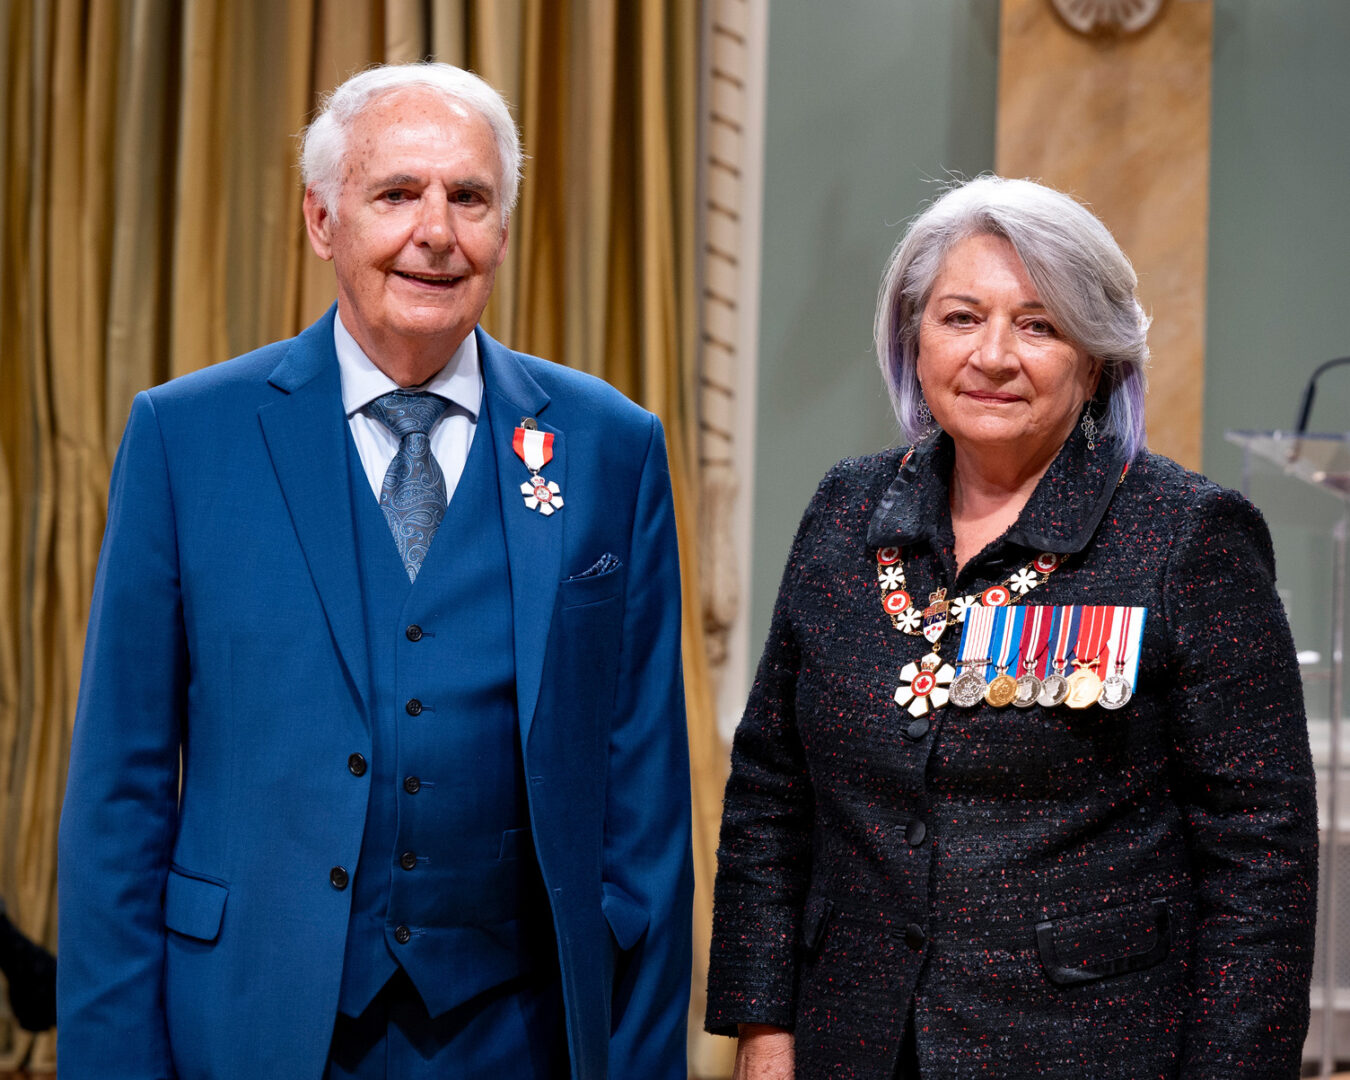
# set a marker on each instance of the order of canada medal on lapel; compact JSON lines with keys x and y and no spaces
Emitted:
{"x":535,"y":448}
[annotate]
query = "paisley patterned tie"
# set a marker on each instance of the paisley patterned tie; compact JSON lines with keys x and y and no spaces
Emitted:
{"x":413,"y":493}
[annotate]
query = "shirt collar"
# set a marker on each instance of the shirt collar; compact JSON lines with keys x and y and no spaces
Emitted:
{"x":460,"y":381}
{"x":1060,"y":517}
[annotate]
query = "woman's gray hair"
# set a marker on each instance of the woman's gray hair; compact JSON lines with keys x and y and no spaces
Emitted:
{"x":323,"y":144}
{"x":1084,"y":280}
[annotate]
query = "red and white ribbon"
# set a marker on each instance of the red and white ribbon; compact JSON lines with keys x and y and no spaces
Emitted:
{"x":973,"y":652}
{"x":534,"y":447}
{"x":1035,"y":637}
{"x":1125,"y":642}
{"x":1094,"y":636}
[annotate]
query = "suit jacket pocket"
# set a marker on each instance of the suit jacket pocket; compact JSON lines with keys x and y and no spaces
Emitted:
{"x":194,"y":906}
{"x":627,"y":918}
{"x":1117,"y":940}
{"x":515,"y":844}
{"x":591,"y":588}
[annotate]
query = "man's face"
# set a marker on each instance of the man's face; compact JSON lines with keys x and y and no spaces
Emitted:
{"x":419,"y":230}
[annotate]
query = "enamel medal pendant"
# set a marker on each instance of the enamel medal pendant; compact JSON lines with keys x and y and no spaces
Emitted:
{"x":935,"y":616}
{"x":925,"y":685}
{"x":535,"y":448}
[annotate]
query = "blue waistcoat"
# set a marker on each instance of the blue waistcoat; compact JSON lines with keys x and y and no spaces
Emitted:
{"x":447,"y":886}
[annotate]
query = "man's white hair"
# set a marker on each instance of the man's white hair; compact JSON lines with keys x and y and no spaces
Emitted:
{"x":323,"y":144}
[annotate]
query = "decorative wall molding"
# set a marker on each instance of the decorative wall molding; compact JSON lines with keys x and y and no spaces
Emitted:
{"x":1108,"y":16}
{"x":731,"y":182}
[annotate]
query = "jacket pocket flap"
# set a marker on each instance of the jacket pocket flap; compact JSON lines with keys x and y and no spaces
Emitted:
{"x":815,"y":916}
{"x":194,"y":906}
{"x":591,"y":588}
{"x":1083,"y":948}
{"x":626,"y":917}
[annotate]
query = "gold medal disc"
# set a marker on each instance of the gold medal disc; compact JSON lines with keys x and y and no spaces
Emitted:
{"x":1084,"y":687}
{"x":1001,"y":691}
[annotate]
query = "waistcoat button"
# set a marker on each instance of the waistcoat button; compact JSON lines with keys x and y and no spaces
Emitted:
{"x":914,"y":936}
{"x":407,"y":860}
{"x":412,"y":785}
{"x":915,"y":832}
{"x":356,"y":765}
{"x":403,"y":935}
{"x":413,"y":633}
{"x":337,"y":877}
{"x":414,"y":706}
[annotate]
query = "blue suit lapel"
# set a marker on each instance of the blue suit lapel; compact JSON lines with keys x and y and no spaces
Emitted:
{"x":307,"y":439}
{"x":533,"y":541}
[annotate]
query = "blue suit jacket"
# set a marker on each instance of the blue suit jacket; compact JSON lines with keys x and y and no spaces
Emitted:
{"x":200,"y":936}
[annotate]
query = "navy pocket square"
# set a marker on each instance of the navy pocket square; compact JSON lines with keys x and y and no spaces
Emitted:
{"x":603,"y":565}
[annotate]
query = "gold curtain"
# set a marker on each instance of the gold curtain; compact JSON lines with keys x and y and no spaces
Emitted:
{"x":150,"y":223}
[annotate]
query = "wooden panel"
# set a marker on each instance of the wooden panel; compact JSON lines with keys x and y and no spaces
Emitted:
{"x":1123,"y":124}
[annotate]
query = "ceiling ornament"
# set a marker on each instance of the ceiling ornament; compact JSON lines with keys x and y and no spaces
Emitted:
{"x":1108,"y":16}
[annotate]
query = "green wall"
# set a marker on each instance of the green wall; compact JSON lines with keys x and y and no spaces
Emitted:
{"x":869,"y":103}
{"x":1279,"y":265}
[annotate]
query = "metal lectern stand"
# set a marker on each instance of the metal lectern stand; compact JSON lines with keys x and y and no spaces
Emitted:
{"x":1321,"y":461}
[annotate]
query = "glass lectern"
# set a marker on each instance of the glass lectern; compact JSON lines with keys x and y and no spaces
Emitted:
{"x":1323,"y":462}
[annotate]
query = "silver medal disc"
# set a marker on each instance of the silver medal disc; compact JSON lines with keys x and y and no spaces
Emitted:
{"x":1116,"y":692}
{"x":1028,"y":691}
{"x":968,"y":689}
{"x":1054,"y":689}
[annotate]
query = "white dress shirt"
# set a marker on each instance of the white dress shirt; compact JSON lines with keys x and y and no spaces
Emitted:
{"x":460,"y":382}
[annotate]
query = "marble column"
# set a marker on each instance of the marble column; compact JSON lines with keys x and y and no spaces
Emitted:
{"x":1122,"y":122}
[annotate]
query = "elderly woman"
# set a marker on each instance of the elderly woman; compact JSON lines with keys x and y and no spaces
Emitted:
{"x":1023,"y":786}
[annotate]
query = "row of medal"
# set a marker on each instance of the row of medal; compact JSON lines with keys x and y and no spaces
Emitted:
{"x":1021,"y":656}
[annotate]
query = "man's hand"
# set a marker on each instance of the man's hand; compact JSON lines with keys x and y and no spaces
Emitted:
{"x":763,"y":1053}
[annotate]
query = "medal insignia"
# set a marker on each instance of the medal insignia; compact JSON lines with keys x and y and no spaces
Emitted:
{"x":1084,"y":685}
{"x":895,"y":602}
{"x":995,"y":596}
{"x":925,"y":686}
{"x":935,"y":616}
{"x":542,"y":495}
{"x":535,"y":448}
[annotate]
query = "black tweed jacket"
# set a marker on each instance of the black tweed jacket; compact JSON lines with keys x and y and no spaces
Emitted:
{"x":1050,"y":892}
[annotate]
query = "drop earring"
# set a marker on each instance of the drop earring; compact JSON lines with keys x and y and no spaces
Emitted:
{"x":1089,"y":426}
{"x":923,"y":412}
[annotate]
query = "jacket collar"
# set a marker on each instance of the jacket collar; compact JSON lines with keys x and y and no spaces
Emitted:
{"x":533,"y":541}
{"x":311,"y":355}
{"x":1060,"y":517}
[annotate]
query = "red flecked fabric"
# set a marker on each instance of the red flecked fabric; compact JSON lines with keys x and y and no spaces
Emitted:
{"x":1163,"y":855}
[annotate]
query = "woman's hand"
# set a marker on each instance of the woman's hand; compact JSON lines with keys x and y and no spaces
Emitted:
{"x":763,"y":1053}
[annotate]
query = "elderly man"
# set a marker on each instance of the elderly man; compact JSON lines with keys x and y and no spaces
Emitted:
{"x":379,"y":767}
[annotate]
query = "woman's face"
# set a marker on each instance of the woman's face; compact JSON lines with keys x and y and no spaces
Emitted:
{"x":995,"y":370}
